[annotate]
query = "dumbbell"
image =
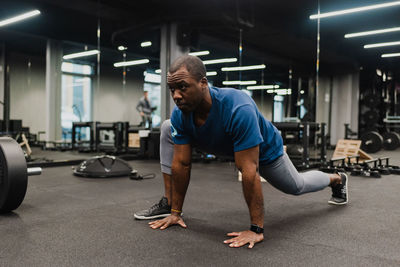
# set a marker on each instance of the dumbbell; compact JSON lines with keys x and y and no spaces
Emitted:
{"x":391,"y":168}
{"x":381,"y":169}
{"x":13,"y":174}
{"x":367,"y":170}
{"x":332,"y":168}
{"x":351,"y":166}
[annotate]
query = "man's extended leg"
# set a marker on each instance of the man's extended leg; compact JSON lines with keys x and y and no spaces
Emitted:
{"x":283,"y":175}
{"x":163,"y":207}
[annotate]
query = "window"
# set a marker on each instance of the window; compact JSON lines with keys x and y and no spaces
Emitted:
{"x":152,"y":85}
{"x":76,"y":99}
{"x":278,"y":108}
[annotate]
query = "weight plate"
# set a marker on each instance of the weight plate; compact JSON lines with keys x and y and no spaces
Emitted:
{"x":13,"y":175}
{"x":294,"y":150}
{"x":370,"y":117}
{"x":371,"y":100}
{"x":371,"y":142}
{"x":391,"y":141}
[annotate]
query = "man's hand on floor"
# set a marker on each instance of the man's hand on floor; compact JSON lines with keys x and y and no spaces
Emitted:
{"x":167,"y":221}
{"x":243,"y":238}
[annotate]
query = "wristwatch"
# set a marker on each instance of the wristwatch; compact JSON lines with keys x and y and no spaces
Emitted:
{"x":256,"y":229}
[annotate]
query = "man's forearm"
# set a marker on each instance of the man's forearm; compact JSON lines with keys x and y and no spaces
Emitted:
{"x":254,"y":198}
{"x":180,"y":182}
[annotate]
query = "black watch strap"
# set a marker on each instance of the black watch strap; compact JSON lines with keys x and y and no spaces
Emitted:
{"x":256,"y":229}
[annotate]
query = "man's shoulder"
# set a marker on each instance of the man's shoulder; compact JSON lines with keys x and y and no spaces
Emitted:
{"x":226,"y":91}
{"x":230,"y":97}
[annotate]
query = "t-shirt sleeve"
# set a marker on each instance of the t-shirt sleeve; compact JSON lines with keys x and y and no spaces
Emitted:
{"x":245,"y":128}
{"x":179,"y":136}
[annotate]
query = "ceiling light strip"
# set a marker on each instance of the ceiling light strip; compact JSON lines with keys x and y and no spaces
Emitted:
{"x":199,"y":53}
{"x":382,"y":44}
{"x":239,"y":82}
{"x":391,"y":55}
{"x":131,"y":63}
{"x":354,"y":10}
{"x":219,"y":61}
{"x":358,"y":34}
{"x":242,"y":68}
{"x":146,"y":44}
{"x":82,"y":54}
{"x":19,"y":17}
{"x":262,"y":87}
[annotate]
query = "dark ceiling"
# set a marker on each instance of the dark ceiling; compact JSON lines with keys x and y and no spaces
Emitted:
{"x":277,"y":33}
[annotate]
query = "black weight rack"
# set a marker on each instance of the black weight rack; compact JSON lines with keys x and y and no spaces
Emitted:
{"x":119,"y":144}
{"x":303,"y":132}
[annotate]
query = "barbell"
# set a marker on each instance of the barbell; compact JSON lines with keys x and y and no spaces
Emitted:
{"x":13,"y":175}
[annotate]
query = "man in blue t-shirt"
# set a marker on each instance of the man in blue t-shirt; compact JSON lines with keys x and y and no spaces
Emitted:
{"x":226,"y":122}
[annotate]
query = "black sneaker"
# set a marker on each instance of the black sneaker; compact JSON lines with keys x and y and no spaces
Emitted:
{"x":159,"y":210}
{"x":340,"y":194}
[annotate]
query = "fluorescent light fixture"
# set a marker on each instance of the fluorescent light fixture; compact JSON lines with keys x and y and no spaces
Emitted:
{"x":391,"y":55}
{"x":145,"y":44}
{"x":382,"y":44}
{"x":239,"y":82}
{"x":262,"y":87}
{"x":19,"y":17}
{"x":254,"y":67}
{"x":199,"y":53}
{"x":131,"y":63}
{"x":283,"y":91}
{"x":354,"y":10}
{"x":209,"y":73}
{"x":357,"y":34}
{"x":122,"y":48}
{"x":280,"y":91}
{"x":218,"y":61}
{"x":82,"y":54}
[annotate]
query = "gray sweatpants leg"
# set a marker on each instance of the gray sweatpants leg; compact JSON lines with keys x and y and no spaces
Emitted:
{"x":282,"y":174}
{"x":166,"y":147}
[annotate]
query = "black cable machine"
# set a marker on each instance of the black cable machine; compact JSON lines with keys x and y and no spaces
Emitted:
{"x":77,"y":143}
{"x":119,"y":143}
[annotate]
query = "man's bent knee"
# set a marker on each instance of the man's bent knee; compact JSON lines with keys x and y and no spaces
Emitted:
{"x":294,"y":190}
{"x":166,"y":126}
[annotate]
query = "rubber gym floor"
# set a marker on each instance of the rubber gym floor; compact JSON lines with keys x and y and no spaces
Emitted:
{"x":70,"y":221}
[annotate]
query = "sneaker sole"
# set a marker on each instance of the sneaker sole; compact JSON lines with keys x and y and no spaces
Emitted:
{"x":337,"y":203}
{"x":347,"y":193}
{"x":138,"y":217}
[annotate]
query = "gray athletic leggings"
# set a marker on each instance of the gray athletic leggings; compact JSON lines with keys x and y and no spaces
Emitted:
{"x":280,"y":173}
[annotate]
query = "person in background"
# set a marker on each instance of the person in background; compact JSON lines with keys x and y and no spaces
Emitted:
{"x":145,"y":110}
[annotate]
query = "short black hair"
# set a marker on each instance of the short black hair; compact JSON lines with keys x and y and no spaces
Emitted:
{"x":193,"y":64}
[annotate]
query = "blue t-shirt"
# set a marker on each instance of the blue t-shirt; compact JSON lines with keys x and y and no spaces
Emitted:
{"x":233,"y":124}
